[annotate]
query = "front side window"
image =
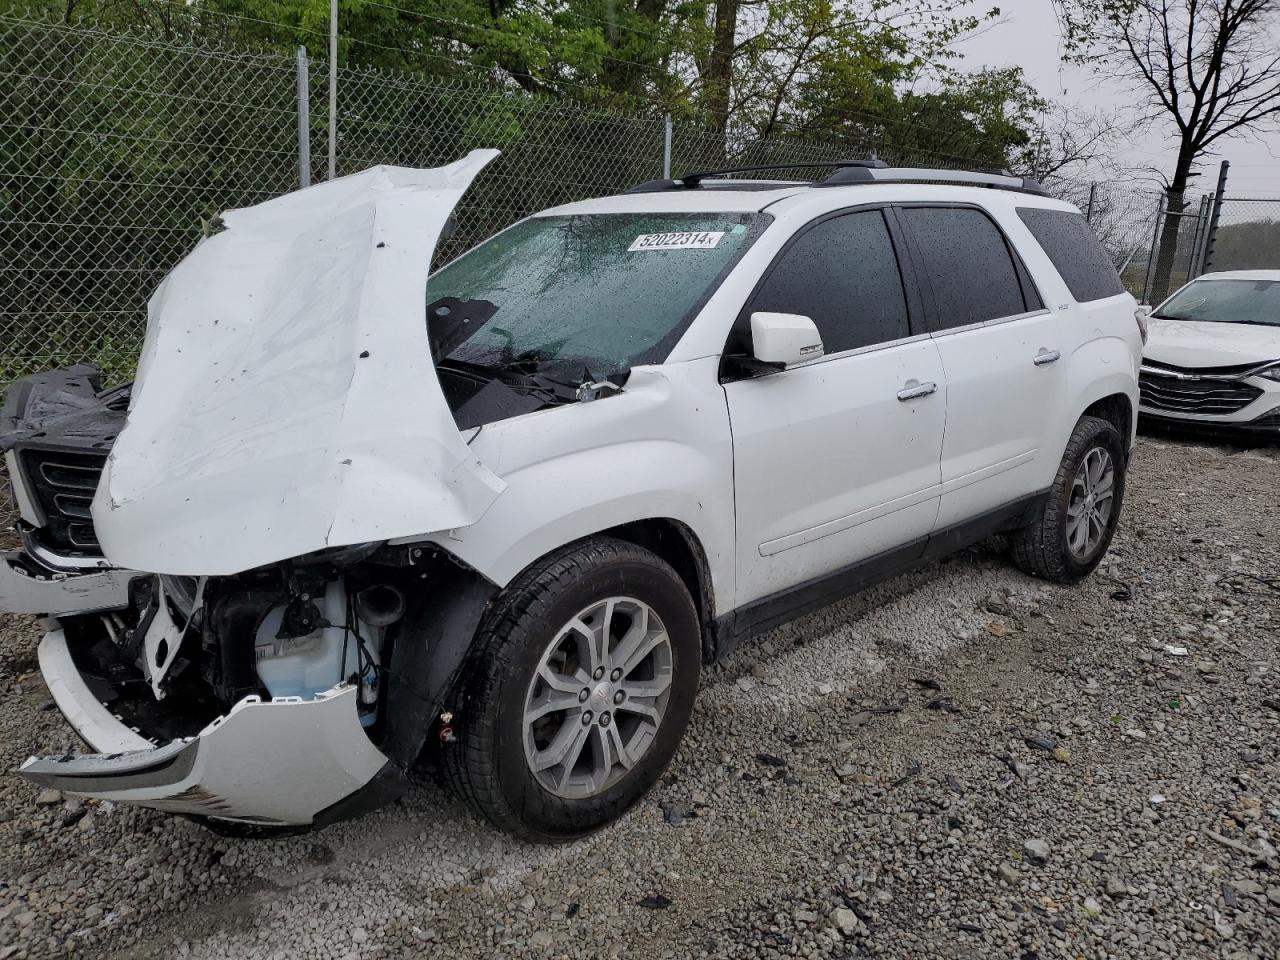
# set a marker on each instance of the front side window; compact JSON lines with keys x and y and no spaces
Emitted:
{"x":583,"y":297}
{"x":968,"y":264}
{"x":1225,"y":301}
{"x":841,"y":273}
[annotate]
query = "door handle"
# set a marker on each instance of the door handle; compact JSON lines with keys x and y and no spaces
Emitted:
{"x":914,"y":390}
{"x":1045,"y":356}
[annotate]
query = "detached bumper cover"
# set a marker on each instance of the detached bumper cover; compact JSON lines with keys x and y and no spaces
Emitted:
{"x":272,"y":763}
{"x":25,"y":587}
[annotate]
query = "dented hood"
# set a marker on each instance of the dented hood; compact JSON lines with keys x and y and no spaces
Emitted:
{"x":286,"y":400}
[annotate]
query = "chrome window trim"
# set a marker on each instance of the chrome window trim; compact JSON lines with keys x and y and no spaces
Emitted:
{"x":1017,"y":316}
{"x":982,"y":324}
{"x":860,"y":351}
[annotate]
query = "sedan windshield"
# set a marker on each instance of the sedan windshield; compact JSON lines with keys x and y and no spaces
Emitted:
{"x":578,"y":297}
{"x":1225,"y":301}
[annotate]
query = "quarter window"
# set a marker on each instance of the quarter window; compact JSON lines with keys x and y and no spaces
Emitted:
{"x":1076,"y":253}
{"x":843,"y":274}
{"x":968,"y":264}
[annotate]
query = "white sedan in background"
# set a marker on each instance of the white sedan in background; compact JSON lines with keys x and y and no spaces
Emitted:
{"x":1213,"y":355}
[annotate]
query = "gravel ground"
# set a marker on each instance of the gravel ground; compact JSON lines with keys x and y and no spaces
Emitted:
{"x":963,"y":763}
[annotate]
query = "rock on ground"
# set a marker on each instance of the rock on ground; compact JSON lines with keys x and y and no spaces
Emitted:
{"x":885,"y":829}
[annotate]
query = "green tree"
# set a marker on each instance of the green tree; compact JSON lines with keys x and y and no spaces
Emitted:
{"x":875,"y":74}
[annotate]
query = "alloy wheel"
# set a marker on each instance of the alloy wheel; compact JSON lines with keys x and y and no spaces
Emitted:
{"x":598,"y":697}
{"x":1092,"y":500}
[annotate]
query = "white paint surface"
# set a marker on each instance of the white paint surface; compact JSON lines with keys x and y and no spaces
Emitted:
{"x":286,"y":400}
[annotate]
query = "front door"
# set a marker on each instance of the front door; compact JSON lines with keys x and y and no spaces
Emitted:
{"x":836,"y":461}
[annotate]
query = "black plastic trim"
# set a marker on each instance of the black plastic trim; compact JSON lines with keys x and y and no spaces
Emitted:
{"x":690,"y":181}
{"x":387,"y":785}
{"x":428,"y":652}
{"x":779,"y":608}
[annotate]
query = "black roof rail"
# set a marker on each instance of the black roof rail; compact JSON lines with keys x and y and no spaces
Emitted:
{"x":995,"y":178}
{"x":691,"y":180}
{"x":849,"y":172}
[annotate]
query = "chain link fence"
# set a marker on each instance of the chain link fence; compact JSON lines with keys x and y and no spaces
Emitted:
{"x":1248,"y":235}
{"x":117,"y":150}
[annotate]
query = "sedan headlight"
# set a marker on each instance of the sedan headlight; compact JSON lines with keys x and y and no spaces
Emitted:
{"x":1271,"y":373}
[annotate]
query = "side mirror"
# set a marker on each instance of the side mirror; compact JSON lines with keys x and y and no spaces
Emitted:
{"x":781,"y":340}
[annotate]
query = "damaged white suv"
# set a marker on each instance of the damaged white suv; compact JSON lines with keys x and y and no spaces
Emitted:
{"x":348,"y":515}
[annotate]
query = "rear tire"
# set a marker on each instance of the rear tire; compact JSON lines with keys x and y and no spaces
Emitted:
{"x":1070,"y":536}
{"x":577,"y":693}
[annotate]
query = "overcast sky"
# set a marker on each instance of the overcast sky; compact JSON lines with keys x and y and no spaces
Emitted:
{"x":1028,"y":37}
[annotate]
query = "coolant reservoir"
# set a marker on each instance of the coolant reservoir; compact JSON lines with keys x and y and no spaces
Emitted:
{"x":304,"y":666}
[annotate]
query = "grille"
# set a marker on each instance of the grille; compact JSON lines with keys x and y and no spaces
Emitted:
{"x":62,"y":484}
{"x":1210,"y":395}
{"x":1231,"y":370}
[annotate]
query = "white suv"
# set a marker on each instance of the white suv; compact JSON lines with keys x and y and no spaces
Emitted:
{"x":632,"y":431}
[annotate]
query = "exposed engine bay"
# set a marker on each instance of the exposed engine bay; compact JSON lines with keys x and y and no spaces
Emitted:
{"x":206,"y":695}
{"x":185,"y":649}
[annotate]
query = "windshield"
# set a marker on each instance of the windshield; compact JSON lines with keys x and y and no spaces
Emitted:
{"x":578,"y":297}
{"x":1226,"y":301}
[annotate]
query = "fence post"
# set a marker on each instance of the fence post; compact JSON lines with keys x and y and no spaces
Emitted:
{"x":1151,"y":251}
{"x":1212,"y":236}
{"x":1093,"y":193}
{"x":1199,"y":237}
{"x":333,"y":88}
{"x":304,"y":120}
{"x":666,"y":146}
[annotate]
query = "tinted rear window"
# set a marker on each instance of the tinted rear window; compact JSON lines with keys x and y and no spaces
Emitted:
{"x":1069,"y":241}
{"x":973,"y":276}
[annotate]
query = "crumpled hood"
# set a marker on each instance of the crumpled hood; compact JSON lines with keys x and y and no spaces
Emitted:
{"x":286,"y":400}
{"x":1202,"y":343}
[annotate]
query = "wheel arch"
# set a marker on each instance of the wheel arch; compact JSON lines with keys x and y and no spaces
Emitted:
{"x":677,"y":544}
{"x":1116,"y":409}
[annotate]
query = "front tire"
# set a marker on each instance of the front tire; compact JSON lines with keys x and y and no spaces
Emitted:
{"x":1070,"y":536}
{"x":579,"y":688}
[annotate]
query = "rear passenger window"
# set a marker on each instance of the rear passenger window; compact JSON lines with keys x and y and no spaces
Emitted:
{"x":842,"y":273}
{"x":1076,"y":253}
{"x":968,"y":264}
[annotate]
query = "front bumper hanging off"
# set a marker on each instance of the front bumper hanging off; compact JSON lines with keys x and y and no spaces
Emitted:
{"x":279,"y":763}
{"x":31,"y":588}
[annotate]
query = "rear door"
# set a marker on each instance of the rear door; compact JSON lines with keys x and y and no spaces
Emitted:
{"x":836,"y":461}
{"x":1001,"y":351}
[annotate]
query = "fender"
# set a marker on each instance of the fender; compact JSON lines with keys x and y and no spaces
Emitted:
{"x":661,"y":449}
{"x":662,"y":482}
{"x":1100,"y":368}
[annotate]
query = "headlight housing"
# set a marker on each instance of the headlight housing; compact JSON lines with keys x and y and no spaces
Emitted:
{"x":1271,"y":373}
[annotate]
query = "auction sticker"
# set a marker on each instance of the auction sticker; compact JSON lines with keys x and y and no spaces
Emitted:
{"x":705,"y":240}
